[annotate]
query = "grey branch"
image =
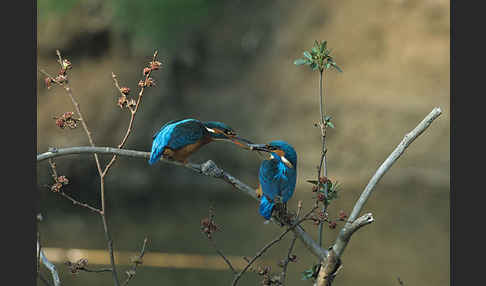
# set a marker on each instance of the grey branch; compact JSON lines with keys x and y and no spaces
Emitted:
{"x":407,"y":140}
{"x":348,"y":230}
{"x":329,"y":267}
{"x":49,"y":265}
{"x":209,"y":168}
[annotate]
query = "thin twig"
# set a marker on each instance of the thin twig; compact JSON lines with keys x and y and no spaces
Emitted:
{"x":132,"y":116}
{"x":78,"y":203}
{"x":74,"y":201}
{"x":323,"y":162}
{"x":270,"y":244}
{"x":68,"y":90}
{"x":291,"y":247}
{"x":133,"y":271}
{"x":96,"y":270}
{"x":228,"y":262}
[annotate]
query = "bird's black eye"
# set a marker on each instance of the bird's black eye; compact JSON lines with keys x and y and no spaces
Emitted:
{"x":229,"y":132}
{"x":273,"y":148}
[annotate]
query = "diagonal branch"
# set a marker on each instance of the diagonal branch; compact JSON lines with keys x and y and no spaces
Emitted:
{"x":331,"y":265}
{"x":392,"y":158}
{"x":208,"y":168}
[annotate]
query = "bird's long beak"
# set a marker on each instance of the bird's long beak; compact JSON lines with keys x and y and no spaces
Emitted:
{"x":259,"y":147}
{"x":242,"y":142}
{"x":264,"y":148}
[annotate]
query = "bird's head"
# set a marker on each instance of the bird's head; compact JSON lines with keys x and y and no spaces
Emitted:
{"x":220,"y":131}
{"x":282,"y":149}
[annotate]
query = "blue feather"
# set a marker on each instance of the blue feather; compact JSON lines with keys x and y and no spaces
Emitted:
{"x":266,"y":207}
{"x":175,"y":135}
{"x":277,"y":179}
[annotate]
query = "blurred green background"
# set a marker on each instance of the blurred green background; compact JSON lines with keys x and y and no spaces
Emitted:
{"x":232,"y":61}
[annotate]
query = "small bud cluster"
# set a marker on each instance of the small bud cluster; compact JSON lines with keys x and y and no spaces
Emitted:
{"x":124,"y":101}
{"x":268,"y":278}
{"x":67,"y":120}
{"x":59,"y":183}
{"x":326,"y":189}
{"x":322,"y":217}
{"x":208,"y":226}
{"x":61,"y":75}
{"x":78,"y":265}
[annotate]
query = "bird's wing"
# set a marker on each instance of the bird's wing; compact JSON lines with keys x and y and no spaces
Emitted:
{"x":277,"y":179}
{"x":269,"y":181}
{"x":164,"y":126}
{"x":287,"y":184}
{"x":186,"y":132}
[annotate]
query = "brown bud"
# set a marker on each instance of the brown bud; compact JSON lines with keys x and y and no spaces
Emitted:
{"x":149,"y":82}
{"x":67,"y":115}
{"x":155,"y":65}
{"x":141,"y":83}
{"x":125,"y":90}
{"x":60,"y":123}
{"x":56,"y":187}
{"x":63,"y":180}
{"x":61,"y":78}
{"x":146,"y":71}
{"x":342,"y":215}
{"x":323,"y":179}
{"x":332,"y":225}
{"x":321,"y":197}
{"x":122,"y":100}
{"x":314,"y":188}
{"x":48,"y":81}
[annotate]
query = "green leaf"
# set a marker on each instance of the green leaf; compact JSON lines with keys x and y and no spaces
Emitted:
{"x":299,"y":62}
{"x":314,"y":66}
{"x":323,"y":46}
{"x":329,"y":123}
{"x":336,"y":67}
{"x":308,"y":55}
{"x":328,"y":65}
{"x":327,"y":118}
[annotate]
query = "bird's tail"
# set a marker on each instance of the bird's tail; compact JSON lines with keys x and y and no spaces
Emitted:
{"x":154,"y":156}
{"x":153,"y":159}
{"x":266,"y":207}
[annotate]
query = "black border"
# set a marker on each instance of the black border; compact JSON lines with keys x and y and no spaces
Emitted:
{"x":19,"y":117}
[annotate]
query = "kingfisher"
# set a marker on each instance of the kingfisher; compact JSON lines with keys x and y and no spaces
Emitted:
{"x":277,"y":175}
{"x":178,"y":139}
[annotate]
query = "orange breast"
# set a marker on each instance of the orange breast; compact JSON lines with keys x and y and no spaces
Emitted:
{"x":183,"y":153}
{"x":259,"y":191}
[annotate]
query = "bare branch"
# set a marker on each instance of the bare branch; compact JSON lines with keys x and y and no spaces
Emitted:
{"x":49,"y":265}
{"x":208,"y":168}
{"x":332,"y":263}
{"x":77,"y":203}
{"x":138,"y":260}
{"x":132,"y":111}
{"x":407,"y":140}
{"x":291,"y":247}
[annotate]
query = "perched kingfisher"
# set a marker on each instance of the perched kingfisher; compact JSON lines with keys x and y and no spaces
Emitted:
{"x":178,"y":139}
{"x":277,"y":176}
